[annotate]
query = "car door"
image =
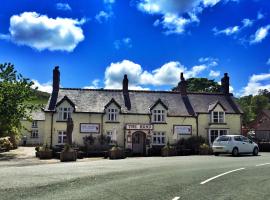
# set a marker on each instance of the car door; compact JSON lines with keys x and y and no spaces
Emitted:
{"x":239,"y":143}
{"x":248,"y":147}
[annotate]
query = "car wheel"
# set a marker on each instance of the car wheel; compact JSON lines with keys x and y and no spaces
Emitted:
{"x":235,"y":151}
{"x":216,"y":154}
{"x":255,"y":151}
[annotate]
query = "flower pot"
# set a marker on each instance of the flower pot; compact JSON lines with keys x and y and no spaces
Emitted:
{"x":66,"y":156}
{"x":168,"y":152}
{"x":47,"y":154}
{"x":116,"y":153}
{"x":37,"y":154}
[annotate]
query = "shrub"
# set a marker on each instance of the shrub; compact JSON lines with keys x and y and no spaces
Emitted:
{"x":205,"y":149}
{"x":192,"y":143}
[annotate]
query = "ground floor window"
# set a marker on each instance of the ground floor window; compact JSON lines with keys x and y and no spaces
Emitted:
{"x":34,"y":133}
{"x":158,"y":138}
{"x":110,"y":137}
{"x":62,"y":137}
{"x":213,"y":134}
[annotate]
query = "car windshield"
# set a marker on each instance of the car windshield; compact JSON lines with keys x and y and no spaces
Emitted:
{"x":223,"y":138}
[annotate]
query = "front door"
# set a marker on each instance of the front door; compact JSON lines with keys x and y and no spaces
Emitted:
{"x":138,"y":143}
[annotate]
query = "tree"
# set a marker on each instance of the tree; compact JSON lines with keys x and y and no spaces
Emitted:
{"x":201,"y":85}
{"x":16,"y":95}
{"x":245,"y":104}
{"x":259,"y":103}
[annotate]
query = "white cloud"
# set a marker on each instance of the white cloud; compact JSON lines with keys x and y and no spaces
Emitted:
{"x":209,"y":61}
{"x":44,"y":87}
{"x":168,"y":74}
{"x":247,"y":22}
{"x":41,"y":32}
{"x":125,"y":42}
{"x":109,"y":1}
{"x":94,"y":84}
{"x":260,"y":15}
{"x":268,"y":61}
{"x":227,"y":31}
{"x":176,"y":14}
{"x":103,"y":16}
{"x":256,"y":83}
{"x":63,"y":6}
{"x":260,"y":34}
{"x":214,"y":74}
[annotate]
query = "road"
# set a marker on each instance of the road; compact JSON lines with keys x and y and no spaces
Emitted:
{"x":141,"y":178}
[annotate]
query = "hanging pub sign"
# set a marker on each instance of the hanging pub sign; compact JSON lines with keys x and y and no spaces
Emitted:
{"x":89,"y":128}
{"x":182,"y":130}
{"x":139,"y":126}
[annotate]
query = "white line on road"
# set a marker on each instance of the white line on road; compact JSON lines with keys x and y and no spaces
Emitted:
{"x":210,"y":179}
{"x":176,"y":198}
{"x":262,"y":164}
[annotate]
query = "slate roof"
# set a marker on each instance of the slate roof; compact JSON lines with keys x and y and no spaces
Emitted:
{"x":94,"y":101}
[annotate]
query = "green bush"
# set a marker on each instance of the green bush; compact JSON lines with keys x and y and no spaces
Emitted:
{"x":192,"y":143}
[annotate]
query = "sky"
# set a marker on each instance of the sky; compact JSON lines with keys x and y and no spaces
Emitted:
{"x":96,"y":42}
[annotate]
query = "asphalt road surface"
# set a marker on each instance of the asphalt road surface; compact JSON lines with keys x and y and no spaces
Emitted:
{"x":168,"y":178}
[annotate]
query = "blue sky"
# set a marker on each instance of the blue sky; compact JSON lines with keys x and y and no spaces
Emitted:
{"x":96,"y":42}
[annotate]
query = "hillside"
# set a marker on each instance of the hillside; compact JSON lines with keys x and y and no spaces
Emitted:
{"x":41,"y":98}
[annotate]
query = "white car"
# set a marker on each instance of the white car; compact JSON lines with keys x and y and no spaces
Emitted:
{"x":235,"y":145}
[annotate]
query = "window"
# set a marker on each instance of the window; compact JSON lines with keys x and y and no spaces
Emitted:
{"x":112,"y":114}
{"x":109,"y":136}
{"x":34,"y":134}
{"x":158,"y":138}
{"x":238,"y":138}
{"x":62,"y":137}
{"x":64,"y":113}
{"x":218,"y":117}
{"x":34,"y":124}
{"x":213,"y":134}
{"x":158,"y":116}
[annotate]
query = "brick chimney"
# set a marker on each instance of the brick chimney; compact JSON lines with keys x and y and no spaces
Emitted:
{"x":125,"y":92}
{"x":225,"y":84}
{"x":55,"y":90}
{"x":182,"y":85}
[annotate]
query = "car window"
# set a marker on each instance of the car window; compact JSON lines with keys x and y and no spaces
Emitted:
{"x":245,"y":139}
{"x":238,"y":138}
{"x":223,"y":139}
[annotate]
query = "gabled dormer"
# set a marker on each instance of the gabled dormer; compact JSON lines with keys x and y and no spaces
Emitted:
{"x":112,"y":110}
{"x":64,"y":108}
{"x":217,"y":112}
{"x":158,"y":112}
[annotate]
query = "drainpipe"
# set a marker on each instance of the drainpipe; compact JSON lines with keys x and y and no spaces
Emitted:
{"x":197,"y":124}
{"x":51,"y":130}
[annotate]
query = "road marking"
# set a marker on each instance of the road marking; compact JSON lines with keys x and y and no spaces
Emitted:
{"x":262,"y":164}
{"x":210,"y":179}
{"x":176,"y":198}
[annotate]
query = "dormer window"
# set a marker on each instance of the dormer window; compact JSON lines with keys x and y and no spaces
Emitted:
{"x":158,"y":116}
{"x":64,"y":113}
{"x":112,"y":114}
{"x":218,"y":117}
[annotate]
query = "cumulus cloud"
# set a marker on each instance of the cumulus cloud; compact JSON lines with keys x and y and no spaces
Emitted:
{"x":260,"y":34}
{"x":168,"y":74}
{"x":125,"y":42}
{"x":41,"y":32}
{"x":256,"y":82}
{"x":63,"y":6}
{"x":94,"y":84}
{"x":44,"y":87}
{"x":214,"y":74}
{"x":209,"y":61}
{"x":175,"y":15}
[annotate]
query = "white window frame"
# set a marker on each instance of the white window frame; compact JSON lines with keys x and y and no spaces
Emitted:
{"x":34,"y":124}
{"x":34,"y":133}
{"x":64,"y":113}
{"x":220,"y":117}
{"x":218,"y":131}
{"x":62,"y":135}
{"x":159,"y":138}
{"x":112,"y":115}
{"x":158,"y":116}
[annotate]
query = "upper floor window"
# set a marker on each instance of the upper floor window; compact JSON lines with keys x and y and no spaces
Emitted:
{"x":158,"y":116}
{"x":218,"y":117}
{"x":34,"y":134}
{"x":112,"y":114}
{"x":34,"y":124}
{"x":64,"y":113}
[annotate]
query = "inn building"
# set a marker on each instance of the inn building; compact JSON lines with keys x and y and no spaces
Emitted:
{"x":138,"y":120}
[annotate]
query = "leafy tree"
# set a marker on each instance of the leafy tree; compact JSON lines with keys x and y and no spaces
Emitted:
{"x":201,"y":85}
{"x":245,"y":104}
{"x":16,"y":95}
{"x":259,"y":103}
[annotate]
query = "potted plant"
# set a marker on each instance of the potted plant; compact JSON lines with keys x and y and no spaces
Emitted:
{"x":204,"y":149}
{"x":45,"y":152}
{"x":116,"y":153}
{"x":68,"y":154}
{"x":168,"y":150}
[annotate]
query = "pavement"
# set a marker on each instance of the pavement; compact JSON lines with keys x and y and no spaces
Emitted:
{"x":184,"y":177}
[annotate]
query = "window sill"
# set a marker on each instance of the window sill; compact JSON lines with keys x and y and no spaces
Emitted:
{"x":113,"y":122}
{"x":158,"y":122}
{"x":216,"y":123}
{"x":61,"y":120}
